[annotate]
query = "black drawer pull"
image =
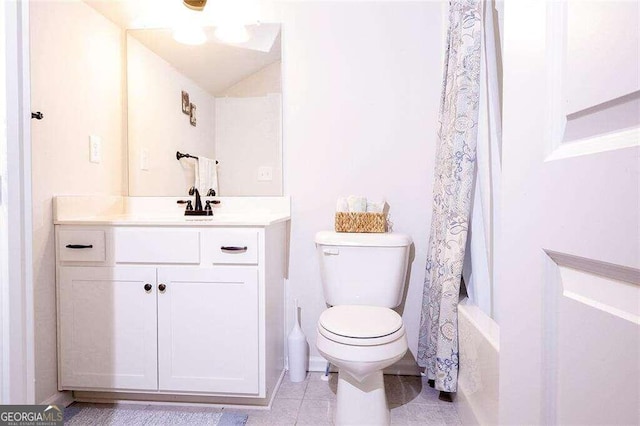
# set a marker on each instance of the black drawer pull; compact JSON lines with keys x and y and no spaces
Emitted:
{"x":232,"y":249}
{"x":79,"y":246}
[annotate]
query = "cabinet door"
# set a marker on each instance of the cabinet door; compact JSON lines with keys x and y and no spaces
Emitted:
{"x":208,"y":330}
{"x":107,"y":328}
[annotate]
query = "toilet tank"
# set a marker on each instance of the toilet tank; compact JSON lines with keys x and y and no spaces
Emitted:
{"x":363,"y":269}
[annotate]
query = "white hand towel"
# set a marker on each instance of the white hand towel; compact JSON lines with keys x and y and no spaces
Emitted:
{"x":373,"y":207}
{"x":206,"y":175}
{"x":357,"y":204}
{"x":342,"y":205}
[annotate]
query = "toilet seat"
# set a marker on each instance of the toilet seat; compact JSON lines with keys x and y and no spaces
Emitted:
{"x":360,"y":325}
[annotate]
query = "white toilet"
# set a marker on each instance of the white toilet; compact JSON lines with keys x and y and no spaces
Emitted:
{"x":363,"y":276}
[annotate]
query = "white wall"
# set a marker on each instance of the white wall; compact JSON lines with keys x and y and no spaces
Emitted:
{"x":76,"y":81}
{"x":361,"y":86}
{"x":267,"y":80}
{"x":156,"y":123}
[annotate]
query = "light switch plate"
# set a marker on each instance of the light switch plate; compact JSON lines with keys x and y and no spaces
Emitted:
{"x":265,"y":174}
{"x":95,"y":148}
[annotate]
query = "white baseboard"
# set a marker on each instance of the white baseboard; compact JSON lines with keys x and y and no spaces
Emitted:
{"x":404,"y":367}
{"x":63,"y":399}
{"x":319,"y":364}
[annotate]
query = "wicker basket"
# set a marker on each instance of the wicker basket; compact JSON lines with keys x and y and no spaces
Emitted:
{"x":361,"y":222}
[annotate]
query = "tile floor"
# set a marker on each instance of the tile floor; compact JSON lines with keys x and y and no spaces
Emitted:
{"x":312,"y":402}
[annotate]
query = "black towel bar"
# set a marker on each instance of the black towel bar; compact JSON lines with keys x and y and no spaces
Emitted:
{"x":180,"y":155}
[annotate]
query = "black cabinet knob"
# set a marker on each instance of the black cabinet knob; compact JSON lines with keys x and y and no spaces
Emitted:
{"x":162,"y":288}
{"x":147,"y":287}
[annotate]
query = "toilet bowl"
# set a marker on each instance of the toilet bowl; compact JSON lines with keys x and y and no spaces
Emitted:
{"x":361,"y":341}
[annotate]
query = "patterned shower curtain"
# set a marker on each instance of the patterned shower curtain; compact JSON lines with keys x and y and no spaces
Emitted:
{"x":454,"y":179}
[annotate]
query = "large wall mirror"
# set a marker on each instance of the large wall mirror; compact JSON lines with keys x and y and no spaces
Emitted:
{"x":235,"y":93}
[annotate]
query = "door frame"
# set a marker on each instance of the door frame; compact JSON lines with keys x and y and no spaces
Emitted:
{"x":17,"y":364}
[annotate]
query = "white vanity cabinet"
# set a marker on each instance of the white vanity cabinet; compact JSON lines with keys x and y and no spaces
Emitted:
{"x":107,"y":328}
{"x":208,"y":330}
{"x":185,"y":310}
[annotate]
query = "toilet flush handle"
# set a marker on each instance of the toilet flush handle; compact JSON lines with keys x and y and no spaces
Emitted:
{"x":331,"y":252}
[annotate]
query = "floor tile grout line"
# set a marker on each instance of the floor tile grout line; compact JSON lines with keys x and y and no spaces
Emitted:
{"x":295,"y":422}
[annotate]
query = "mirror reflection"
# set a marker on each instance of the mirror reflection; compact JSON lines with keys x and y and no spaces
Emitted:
{"x":215,"y":101}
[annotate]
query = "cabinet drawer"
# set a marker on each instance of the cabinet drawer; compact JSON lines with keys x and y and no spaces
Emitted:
{"x":232,"y":246}
{"x":81,"y":245}
{"x":145,"y":245}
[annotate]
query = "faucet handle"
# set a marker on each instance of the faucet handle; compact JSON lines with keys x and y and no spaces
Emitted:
{"x":189,"y":206}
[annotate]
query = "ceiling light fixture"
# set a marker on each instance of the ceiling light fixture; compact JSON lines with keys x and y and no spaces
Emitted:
{"x":189,"y":34}
{"x":190,"y":31}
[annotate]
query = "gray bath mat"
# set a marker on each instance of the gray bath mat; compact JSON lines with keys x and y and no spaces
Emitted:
{"x":95,"y":415}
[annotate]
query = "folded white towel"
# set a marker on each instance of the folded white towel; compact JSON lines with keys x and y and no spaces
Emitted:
{"x":206,"y":175}
{"x":375,"y":207}
{"x":342,"y":205}
{"x":357,"y":204}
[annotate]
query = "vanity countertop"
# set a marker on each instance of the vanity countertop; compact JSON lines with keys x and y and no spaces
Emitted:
{"x":224,"y":219}
{"x":164,"y":211}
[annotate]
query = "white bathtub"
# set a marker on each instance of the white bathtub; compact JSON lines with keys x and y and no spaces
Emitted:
{"x":479,"y":337}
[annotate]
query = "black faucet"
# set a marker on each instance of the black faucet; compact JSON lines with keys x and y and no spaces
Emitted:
{"x":198,"y":206}
{"x":197,"y":210}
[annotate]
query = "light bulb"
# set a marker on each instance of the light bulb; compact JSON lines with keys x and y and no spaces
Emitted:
{"x":189,"y":34}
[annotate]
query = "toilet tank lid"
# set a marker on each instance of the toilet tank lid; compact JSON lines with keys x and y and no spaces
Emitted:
{"x":387,"y":239}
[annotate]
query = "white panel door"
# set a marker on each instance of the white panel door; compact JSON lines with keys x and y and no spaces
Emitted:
{"x":107,"y":328}
{"x":208,"y":330}
{"x":568,"y":252}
